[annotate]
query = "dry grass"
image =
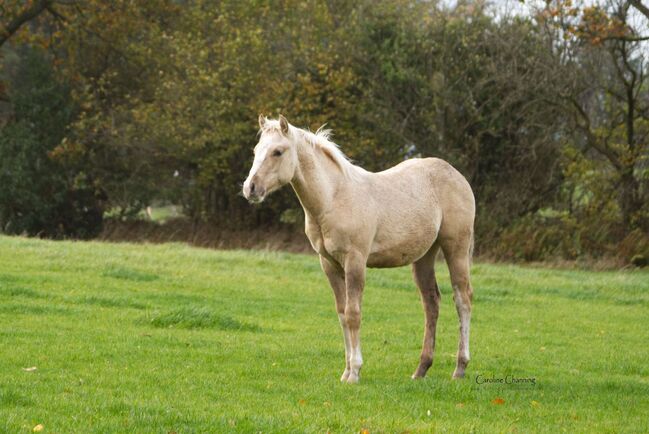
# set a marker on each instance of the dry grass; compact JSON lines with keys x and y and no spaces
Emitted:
{"x":202,"y":234}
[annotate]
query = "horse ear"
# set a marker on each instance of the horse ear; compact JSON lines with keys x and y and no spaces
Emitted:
{"x":283,"y":124}
{"x":262,"y":121}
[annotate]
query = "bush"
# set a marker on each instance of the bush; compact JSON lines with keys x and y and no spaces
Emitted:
{"x":39,"y":195}
{"x":538,"y":237}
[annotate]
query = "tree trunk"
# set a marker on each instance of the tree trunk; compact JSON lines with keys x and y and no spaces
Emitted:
{"x":628,"y":199}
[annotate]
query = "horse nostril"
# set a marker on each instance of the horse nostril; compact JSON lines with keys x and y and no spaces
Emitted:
{"x":252,"y":187}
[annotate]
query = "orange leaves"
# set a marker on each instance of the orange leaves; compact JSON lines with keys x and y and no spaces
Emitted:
{"x":592,"y":24}
{"x":498,"y":401}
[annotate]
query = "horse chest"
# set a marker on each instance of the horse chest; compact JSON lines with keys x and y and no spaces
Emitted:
{"x":314,"y":234}
{"x":322,"y":244}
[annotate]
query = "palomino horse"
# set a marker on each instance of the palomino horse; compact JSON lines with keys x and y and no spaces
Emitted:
{"x":357,"y":219}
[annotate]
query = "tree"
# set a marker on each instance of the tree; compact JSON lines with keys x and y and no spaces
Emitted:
{"x":609,"y":102}
{"x":39,"y":195}
{"x":458,"y":85}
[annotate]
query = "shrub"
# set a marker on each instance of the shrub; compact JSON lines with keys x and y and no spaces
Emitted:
{"x":39,"y":195}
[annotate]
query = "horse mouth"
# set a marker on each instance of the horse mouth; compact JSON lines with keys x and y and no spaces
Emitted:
{"x":256,"y":199}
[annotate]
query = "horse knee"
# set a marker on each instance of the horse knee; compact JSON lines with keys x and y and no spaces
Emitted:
{"x":352,"y":316}
{"x":463,"y":296}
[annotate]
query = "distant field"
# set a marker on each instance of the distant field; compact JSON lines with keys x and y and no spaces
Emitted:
{"x":169,"y":338}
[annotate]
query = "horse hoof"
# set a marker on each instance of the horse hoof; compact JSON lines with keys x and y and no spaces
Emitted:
{"x":420,"y":372}
{"x":457,"y":375}
{"x":353,"y":379}
{"x":344,"y":377}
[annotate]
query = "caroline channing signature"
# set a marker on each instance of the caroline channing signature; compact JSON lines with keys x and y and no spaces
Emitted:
{"x":509,"y":379}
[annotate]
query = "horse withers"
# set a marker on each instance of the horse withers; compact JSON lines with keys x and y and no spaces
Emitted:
{"x":356,"y":219}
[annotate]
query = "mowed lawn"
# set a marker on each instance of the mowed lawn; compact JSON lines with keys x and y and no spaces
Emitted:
{"x":170,"y":338}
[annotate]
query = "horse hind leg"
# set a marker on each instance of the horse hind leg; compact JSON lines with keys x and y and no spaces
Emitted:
{"x":458,"y":259}
{"x":423,"y":271}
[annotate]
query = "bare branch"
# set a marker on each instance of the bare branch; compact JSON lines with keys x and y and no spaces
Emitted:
{"x":592,"y":139}
{"x":32,"y":11}
{"x":626,"y":38}
{"x":642,"y":8}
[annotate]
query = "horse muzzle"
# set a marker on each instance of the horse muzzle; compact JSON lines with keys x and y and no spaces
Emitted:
{"x":253,"y":192}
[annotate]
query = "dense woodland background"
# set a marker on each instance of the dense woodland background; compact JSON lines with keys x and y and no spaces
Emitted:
{"x":107,"y":108}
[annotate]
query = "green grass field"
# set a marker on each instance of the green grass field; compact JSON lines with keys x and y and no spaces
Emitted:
{"x":169,"y":338}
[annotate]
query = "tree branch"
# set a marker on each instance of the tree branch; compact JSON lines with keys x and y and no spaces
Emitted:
{"x":592,"y":140}
{"x":27,"y":14}
{"x":626,"y":38}
{"x":643,"y":9}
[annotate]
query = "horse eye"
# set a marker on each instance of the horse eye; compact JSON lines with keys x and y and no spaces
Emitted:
{"x":277,"y":153}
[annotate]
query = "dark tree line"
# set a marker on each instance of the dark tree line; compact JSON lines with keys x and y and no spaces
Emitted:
{"x":114,"y":106}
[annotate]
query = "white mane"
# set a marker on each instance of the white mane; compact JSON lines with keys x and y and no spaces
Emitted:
{"x":319,"y":140}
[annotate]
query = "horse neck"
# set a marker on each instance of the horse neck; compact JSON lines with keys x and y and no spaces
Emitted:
{"x":316,"y":180}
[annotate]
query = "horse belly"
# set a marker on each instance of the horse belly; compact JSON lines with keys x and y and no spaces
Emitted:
{"x":404,"y":235}
{"x":398,"y":253}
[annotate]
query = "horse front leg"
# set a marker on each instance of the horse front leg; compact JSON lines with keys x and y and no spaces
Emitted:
{"x":355,"y":282}
{"x":336,"y":277}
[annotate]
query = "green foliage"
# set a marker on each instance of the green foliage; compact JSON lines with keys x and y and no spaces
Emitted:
{"x":39,"y":195}
{"x":168,"y":95}
{"x":392,"y":79}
